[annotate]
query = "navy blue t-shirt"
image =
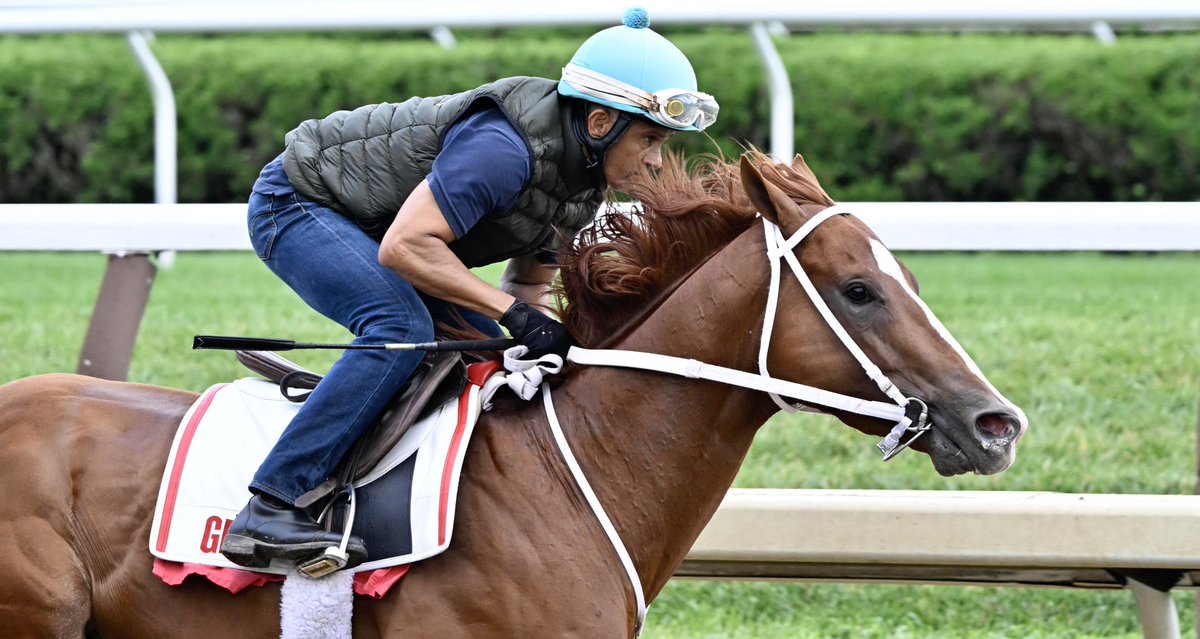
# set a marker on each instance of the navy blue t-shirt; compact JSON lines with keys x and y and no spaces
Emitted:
{"x":481,"y":169}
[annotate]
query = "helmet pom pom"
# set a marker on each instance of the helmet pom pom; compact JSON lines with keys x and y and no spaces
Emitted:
{"x":636,"y":18}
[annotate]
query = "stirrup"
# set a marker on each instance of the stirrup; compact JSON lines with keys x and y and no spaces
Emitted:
{"x":335,"y":557}
{"x":333,"y":560}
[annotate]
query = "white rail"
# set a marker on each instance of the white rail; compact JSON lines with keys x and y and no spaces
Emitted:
{"x":960,"y":537}
{"x":119,"y":16}
{"x":985,"y":529}
{"x":908,"y":226}
{"x":226,"y":16}
{"x":165,"y":135}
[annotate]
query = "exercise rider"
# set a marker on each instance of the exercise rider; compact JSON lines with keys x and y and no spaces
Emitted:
{"x":374,"y":216}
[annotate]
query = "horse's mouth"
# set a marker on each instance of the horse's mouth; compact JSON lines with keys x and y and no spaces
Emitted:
{"x":948,"y":459}
{"x":987,"y":449}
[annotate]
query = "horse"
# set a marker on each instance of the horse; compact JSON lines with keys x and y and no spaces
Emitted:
{"x":688,"y":276}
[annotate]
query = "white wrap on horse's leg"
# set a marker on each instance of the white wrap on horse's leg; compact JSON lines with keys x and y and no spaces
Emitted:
{"x":317,"y":608}
{"x":525,"y":375}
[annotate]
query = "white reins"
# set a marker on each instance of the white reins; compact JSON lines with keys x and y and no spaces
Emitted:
{"x":525,"y":379}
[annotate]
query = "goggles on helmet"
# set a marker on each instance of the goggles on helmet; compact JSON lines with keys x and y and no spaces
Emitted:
{"x":673,"y":108}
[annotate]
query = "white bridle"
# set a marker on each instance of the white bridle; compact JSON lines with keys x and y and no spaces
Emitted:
{"x":780,"y":249}
{"x":909,"y":413}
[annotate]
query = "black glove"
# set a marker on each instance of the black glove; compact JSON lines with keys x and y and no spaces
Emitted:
{"x":532,"y":328}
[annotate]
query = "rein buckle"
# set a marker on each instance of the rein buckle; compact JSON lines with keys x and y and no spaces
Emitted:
{"x":917,"y":412}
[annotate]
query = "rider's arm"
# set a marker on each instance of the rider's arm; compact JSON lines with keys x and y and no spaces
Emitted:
{"x":481,"y":170}
{"x":527,"y":278}
{"x":415,"y":247}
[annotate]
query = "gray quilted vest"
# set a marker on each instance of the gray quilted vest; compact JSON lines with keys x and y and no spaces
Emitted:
{"x":364,"y":163}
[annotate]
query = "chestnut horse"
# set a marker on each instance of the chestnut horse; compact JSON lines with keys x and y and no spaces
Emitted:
{"x":81,"y":458}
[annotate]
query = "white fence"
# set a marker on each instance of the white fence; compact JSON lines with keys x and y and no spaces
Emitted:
{"x":137,"y":18}
{"x":119,"y":16}
{"x":906,"y":226}
{"x":959,"y":538}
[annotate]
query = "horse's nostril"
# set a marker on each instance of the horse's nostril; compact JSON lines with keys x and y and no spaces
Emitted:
{"x":996,"y":425}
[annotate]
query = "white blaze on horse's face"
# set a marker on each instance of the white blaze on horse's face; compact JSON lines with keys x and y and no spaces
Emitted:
{"x":887,"y":341}
{"x":993,"y":431}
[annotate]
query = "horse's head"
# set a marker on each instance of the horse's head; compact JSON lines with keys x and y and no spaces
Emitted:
{"x":874,"y":298}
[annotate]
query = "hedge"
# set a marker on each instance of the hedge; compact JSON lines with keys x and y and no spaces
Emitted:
{"x":879,"y":116}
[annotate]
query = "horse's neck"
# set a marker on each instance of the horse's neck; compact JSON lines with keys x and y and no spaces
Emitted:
{"x":661,"y":451}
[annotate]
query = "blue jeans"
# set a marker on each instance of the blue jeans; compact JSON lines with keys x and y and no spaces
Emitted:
{"x":334,"y":267}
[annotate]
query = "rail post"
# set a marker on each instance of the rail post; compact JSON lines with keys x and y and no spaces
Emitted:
{"x":112,"y":333}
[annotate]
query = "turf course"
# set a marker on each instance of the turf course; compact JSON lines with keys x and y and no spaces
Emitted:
{"x":1102,"y":352}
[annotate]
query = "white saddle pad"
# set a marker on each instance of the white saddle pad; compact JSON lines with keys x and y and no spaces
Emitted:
{"x":229,"y":431}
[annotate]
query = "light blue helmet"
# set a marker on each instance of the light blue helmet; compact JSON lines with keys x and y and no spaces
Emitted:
{"x":633,"y":69}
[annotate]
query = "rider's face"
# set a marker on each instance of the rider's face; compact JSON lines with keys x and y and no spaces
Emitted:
{"x":638,"y":150}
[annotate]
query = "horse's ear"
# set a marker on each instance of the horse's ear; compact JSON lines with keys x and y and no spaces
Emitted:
{"x":770,"y":201}
{"x":912,"y":278}
{"x":752,"y":183}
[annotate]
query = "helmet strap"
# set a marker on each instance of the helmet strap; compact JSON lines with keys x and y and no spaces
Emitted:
{"x":597,"y":148}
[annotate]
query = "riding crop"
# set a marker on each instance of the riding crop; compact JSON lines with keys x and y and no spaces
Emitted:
{"x":264,"y":344}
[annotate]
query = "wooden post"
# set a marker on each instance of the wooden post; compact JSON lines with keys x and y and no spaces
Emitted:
{"x":112,"y":333}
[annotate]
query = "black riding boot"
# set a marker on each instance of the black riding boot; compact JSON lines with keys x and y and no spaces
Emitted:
{"x":269,"y":528}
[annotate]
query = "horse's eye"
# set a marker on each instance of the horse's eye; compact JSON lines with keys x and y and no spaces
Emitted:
{"x":858,"y":293}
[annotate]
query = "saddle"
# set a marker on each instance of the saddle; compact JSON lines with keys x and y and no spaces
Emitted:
{"x":440,"y":377}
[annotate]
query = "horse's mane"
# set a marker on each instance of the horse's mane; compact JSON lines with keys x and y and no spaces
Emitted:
{"x":621,"y":266}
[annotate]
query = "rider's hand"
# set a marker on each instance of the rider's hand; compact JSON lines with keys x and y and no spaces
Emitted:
{"x":536,"y":330}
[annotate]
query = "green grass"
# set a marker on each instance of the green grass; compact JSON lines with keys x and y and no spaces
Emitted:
{"x":1102,"y":352}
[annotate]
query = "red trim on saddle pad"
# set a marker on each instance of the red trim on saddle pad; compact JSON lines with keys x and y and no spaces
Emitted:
{"x":477,"y":375}
{"x":464,"y":402}
{"x":164,"y":526}
{"x":374,"y":583}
